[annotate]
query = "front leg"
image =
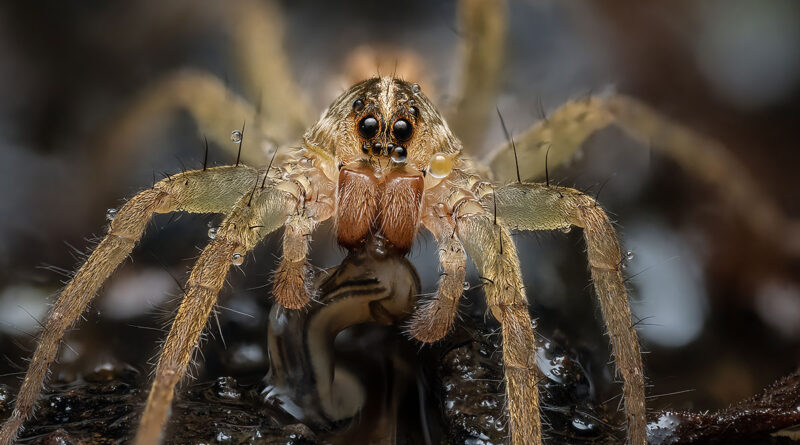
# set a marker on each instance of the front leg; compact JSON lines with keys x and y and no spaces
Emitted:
{"x":495,"y":256}
{"x":539,"y":207}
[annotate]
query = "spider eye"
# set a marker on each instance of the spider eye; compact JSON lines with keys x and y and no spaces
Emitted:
{"x":399,"y":153}
{"x":402,"y":130}
{"x":358,"y":105}
{"x":368,"y":127}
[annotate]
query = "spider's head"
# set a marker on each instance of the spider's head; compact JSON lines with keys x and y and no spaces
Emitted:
{"x":387,"y":124}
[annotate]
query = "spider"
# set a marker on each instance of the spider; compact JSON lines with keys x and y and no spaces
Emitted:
{"x":383,"y":164}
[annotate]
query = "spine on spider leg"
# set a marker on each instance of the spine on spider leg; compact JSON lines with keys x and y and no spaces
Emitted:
{"x":605,"y":259}
{"x":124,"y":232}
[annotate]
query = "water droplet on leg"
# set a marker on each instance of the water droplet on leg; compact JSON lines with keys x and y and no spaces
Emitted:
{"x":629,"y":255}
{"x":415,"y":88}
{"x":212,"y":232}
{"x":111,"y":214}
{"x":465,"y":285}
{"x":237,"y":259}
{"x":236,"y":136}
{"x":566,"y":229}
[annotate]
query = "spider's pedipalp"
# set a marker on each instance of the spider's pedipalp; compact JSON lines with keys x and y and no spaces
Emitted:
{"x":253,"y":217}
{"x":291,"y":283}
{"x":195,"y":191}
{"x":434,"y":318}
{"x":539,"y":207}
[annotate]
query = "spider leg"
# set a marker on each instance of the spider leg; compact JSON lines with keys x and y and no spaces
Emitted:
{"x":216,"y":109}
{"x":564,"y":133}
{"x":495,"y":256}
{"x":196,"y":191}
{"x":253,"y":217}
{"x":483,"y":25}
{"x":258,"y":44}
{"x":433,"y":319}
{"x":539,"y":207}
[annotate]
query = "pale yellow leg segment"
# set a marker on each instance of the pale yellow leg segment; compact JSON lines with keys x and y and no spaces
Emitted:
{"x":483,"y":25}
{"x":185,"y":191}
{"x":251,"y":220}
{"x":538,"y":207}
{"x":257,"y":38}
{"x":434,"y":318}
{"x":566,"y":130}
{"x":292,"y":281}
{"x":495,"y":257}
{"x":216,"y":109}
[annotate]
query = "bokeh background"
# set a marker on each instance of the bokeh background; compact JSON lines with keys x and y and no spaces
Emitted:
{"x":719,"y":306}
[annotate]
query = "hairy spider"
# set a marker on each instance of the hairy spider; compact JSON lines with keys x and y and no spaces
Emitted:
{"x":383,"y":163}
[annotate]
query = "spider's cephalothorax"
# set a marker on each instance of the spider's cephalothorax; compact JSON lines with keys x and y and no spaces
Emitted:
{"x":382,"y":163}
{"x":384,"y":137}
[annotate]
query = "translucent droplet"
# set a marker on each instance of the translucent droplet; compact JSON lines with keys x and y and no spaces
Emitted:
{"x":236,"y":136}
{"x":378,"y":173}
{"x":237,"y":259}
{"x":212,"y":232}
{"x":415,"y":88}
{"x":111,"y":214}
{"x":566,"y":229}
{"x":623,"y":266}
{"x":629,"y":255}
{"x":465,"y":285}
{"x":440,"y":166}
{"x":305,"y":162}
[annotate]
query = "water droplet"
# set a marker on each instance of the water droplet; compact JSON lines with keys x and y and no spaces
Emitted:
{"x":440,"y":166}
{"x":629,"y":255}
{"x":306,"y":162}
{"x":236,"y":136}
{"x":237,"y":259}
{"x":566,"y":229}
{"x":465,"y":285}
{"x":212,"y":232}
{"x":624,"y":265}
{"x":415,"y":88}
{"x":111,"y":214}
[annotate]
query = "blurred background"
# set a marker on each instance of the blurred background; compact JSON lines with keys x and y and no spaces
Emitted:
{"x":719,"y":307}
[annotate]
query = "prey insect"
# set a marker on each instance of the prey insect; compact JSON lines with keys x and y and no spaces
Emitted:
{"x":383,"y":164}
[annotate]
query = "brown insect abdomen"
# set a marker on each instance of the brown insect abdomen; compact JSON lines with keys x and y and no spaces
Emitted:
{"x":399,"y":209}
{"x":357,"y":206}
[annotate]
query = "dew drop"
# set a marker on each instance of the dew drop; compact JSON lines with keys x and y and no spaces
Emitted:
{"x":236,"y":136}
{"x":566,"y":229}
{"x":111,"y":214}
{"x":465,"y":285}
{"x":237,"y":259}
{"x":629,"y":255}
{"x":440,"y":166}
{"x":415,"y":88}
{"x":212,"y":232}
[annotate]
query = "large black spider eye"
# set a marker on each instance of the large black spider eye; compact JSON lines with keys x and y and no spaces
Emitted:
{"x":368,"y":127}
{"x":402,"y":130}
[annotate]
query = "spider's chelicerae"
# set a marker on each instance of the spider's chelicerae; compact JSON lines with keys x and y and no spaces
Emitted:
{"x":384,"y":165}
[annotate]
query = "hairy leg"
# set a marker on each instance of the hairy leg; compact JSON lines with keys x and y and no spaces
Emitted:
{"x":251,"y":219}
{"x":495,"y":257}
{"x":433,"y":319}
{"x":191,"y":191}
{"x":483,"y":25}
{"x":566,"y":130}
{"x":257,"y":40}
{"x":539,"y":207}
